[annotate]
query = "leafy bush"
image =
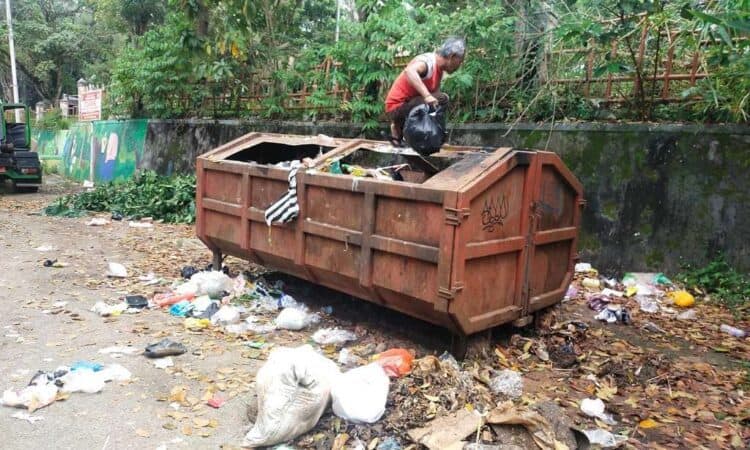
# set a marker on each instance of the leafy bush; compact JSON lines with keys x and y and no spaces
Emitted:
{"x":171,"y":199}
{"x":721,"y":280}
{"x":53,"y":121}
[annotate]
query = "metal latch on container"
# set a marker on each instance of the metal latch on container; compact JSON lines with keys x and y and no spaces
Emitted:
{"x":450,"y":294}
{"x":455,"y":216}
{"x":445,"y":296}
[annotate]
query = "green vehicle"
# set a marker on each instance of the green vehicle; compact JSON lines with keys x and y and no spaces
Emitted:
{"x":17,"y":162}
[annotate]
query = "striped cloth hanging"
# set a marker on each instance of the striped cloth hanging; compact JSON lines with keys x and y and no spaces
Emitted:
{"x":286,"y":208}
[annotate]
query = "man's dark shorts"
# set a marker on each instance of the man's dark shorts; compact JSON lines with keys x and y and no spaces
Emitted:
{"x":399,"y":115}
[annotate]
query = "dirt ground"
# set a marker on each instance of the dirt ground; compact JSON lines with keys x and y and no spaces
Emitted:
{"x":684,"y":387}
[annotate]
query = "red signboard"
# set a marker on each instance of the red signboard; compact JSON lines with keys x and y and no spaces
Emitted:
{"x":90,"y":105}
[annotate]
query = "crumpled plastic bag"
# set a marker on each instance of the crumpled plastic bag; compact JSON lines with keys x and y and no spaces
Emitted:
{"x":293,"y":387}
{"x":333,"y":336}
{"x":507,"y":382}
{"x":211,"y":283}
{"x":31,"y":397}
{"x":359,"y":395}
{"x":295,"y":318}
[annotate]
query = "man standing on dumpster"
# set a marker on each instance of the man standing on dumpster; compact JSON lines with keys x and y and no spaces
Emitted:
{"x":419,"y":83}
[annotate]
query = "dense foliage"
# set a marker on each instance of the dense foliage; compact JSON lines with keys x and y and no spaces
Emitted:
{"x":527,"y":59}
{"x":171,"y":199}
{"x":722,"y":281}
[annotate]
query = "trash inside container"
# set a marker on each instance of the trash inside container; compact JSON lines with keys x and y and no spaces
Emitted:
{"x":467,"y":238}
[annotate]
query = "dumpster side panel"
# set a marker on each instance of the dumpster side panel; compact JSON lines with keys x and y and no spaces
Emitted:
{"x":494,"y":240}
{"x":557,"y":211}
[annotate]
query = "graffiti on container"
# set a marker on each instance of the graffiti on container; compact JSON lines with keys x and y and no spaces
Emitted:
{"x":552,"y":199}
{"x":494,"y":213}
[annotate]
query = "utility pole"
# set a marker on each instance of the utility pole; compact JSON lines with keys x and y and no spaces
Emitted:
{"x":338,"y":18}
{"x":12,"y":58}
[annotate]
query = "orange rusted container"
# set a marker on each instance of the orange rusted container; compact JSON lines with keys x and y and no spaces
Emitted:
{"x":473,"y":239}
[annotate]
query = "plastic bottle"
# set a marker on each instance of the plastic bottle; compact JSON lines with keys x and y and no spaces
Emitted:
{"x":736,"y":332}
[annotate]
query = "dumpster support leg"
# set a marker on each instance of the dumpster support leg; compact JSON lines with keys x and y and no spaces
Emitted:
{"x":217,"y":260}
{"x":459,"y":345}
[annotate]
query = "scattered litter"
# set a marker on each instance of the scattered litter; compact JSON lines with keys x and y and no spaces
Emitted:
{"x":396,"y":362}
{"x":54,"y":263}
{"x":347,"y":358}
{"x":216,"y":401}
{"x":165,"y":347}
{"x":136,"y":301}
{"x":27,"y":417}
{"x":106,"y":310}
{"x":604,"y":438}
{"x":690,"y":314}
{"x":331,"y":336}
{"x":59,"y":304}
{"x":86,"y":365}
{"x":293,"y":388}
{"x":98,"y":222}
{"x":594,"y":407}
{"x":652,"y":327}
{"x":88,"y":184}
{"x":359,"y":395}
{"x":45,"y":248}
{"x":163,"y":300}
{"x":583,"y":267}
{"x":197,"y":324}
{"x":117,"y":352}
{"x":612,"y":314}
{"x":188,"y":271}
{"x":117,"y":270}
{"x":181,"y":309}
{"x":536,"y":424}
{"x":210,"y":283}
{"x":591,"y":283}
{"x":295,"y":318}
{"x":82,"y":380}
{"x":683,"y":299}
{"x":443,"y":432}
{"x":607,"y":292}
{"x":163,"y":363}
{"x":132,"y":224}
{"x":389,"y":443}
{"x":226,"y":315}
{"x":647,"y":304}
{"x":507,"y":382}
{"x":736,"y":332}
{"x":31,"y":397}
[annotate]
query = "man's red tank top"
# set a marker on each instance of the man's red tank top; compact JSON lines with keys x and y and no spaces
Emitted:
{"x":401,"y":91}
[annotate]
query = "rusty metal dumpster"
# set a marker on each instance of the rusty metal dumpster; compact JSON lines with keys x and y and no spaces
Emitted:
{"x":473,"y":238}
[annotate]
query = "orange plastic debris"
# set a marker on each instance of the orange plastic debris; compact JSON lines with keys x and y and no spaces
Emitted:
{"x":396,"y":362}
{"x":170,"y":299}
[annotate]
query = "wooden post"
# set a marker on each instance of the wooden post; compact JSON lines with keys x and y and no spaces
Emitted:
{"x":641,"y":51}
{"x":589,"y":69}
{"x":612,"y":56}
{"x":668,"y":66}
{"x":694,"y":68}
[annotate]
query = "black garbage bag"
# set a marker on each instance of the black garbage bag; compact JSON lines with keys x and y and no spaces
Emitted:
{"x":424,"y":129}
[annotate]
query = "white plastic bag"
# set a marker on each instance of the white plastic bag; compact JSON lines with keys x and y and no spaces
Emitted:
{"x":328,"y":336}
{"x":293,"y":388}
{"x":507,"y":382}
{"x":210,"y":283}
{"x":295,"y":318}
{"x":359,"y":395}
{"x":226,"y":315}
{"x":82,"y":380}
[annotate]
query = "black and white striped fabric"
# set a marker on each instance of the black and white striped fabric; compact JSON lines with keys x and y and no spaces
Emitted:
{"x":286,"y":208}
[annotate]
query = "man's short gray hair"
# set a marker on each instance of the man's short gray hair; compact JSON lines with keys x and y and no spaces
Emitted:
{"x":453,"y":46}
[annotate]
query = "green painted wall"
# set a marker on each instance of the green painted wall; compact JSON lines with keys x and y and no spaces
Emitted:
{"x":115,"y":146}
